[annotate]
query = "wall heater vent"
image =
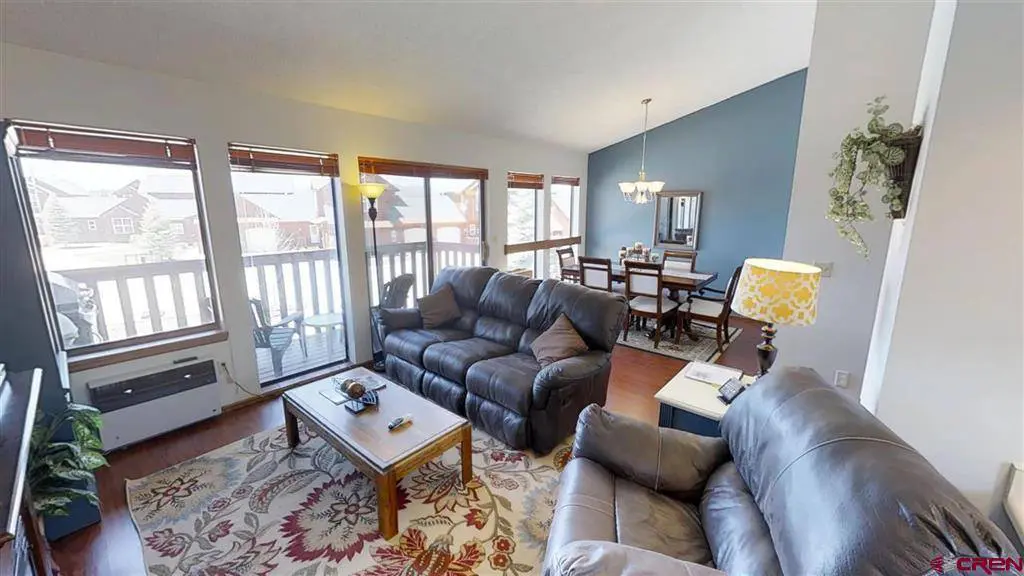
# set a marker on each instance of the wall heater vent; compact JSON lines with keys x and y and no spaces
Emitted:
{"x":140,"y":406}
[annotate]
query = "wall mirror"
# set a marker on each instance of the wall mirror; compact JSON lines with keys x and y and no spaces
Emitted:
{"x":677,"y":219}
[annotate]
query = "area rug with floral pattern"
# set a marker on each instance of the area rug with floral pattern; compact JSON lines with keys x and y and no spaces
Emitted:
{"x":256,"y":507}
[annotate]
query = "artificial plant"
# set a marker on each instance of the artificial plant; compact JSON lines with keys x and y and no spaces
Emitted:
{"x":876,"y":152}
{"x":61,"y":471}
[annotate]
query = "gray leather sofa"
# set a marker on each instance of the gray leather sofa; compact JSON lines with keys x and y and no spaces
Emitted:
{"x":804,"y":482}
{"x":481,"y":366}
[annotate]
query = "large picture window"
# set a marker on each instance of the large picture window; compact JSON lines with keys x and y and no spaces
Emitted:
{"x":286,"y":201}
{"x":564,"y":217}
{"x":105,"y":207}
{"x":540,"y":221}
{"x":524,"y":191}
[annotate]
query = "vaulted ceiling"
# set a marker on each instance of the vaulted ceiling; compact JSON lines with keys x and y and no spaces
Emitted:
{"x":570,"y":74}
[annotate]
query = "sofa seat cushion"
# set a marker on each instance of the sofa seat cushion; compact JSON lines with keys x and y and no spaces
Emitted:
{"x":652,"y":521}
{"x":505,"y":380}
{"x":409,"y":345}
{"x":453,"y":359}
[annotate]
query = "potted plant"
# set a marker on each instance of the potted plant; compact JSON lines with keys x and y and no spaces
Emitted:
{"x":885,"y":155}
{"x":61,"y":471}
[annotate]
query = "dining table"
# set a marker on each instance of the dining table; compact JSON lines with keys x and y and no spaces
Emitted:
{"x":675,"y":281}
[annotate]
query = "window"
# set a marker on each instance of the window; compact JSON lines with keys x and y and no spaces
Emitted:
{"x":540,"y":221}
{"x":285,"y":202}
{"x":177,"y":228}
{"x":128,"y":280}
{"x":122,"y":226}
{"x":564,"y":217}
{"x":523,"y":199}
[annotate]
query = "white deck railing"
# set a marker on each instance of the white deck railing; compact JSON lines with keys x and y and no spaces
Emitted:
{"x":142,"y":299}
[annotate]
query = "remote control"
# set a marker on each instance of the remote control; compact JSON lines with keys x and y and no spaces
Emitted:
{"x":730,"y":390}
{"x":399,"y":422}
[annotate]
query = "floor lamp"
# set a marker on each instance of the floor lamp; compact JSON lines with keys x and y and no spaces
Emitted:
{"x":371,"y":191}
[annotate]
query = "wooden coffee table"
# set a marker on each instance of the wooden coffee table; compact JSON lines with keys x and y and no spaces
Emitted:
{"x":365,"y":440}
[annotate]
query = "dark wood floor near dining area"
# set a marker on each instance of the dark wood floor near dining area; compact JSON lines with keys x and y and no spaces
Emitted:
{"x":112,"y":547}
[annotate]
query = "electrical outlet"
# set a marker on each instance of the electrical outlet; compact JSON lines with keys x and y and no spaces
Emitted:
{"x":842,"y":379}
{"x":826,"y":268}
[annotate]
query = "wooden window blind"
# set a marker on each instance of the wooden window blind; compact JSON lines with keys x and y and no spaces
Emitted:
{"x":571,"y":181}
{"x":246,"y":158}
{"x":418,"y":169}
{"x":525,"y":180}
{"x":37,"y":139}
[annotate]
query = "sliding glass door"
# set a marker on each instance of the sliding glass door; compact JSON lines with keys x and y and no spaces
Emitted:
{"x":429,"y":218}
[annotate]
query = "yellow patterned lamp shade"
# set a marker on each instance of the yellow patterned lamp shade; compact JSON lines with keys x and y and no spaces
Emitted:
{"x":778,"y":291}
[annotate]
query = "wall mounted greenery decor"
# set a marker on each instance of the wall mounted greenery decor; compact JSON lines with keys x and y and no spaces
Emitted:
{"x":60,"y":472}
{"x":883,"y":157}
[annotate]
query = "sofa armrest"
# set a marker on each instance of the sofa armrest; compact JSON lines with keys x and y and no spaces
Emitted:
{"x":392,"y":319}
{"x":592,"y":558}
{"x":670,"y":461}
{"x":578,"y":369}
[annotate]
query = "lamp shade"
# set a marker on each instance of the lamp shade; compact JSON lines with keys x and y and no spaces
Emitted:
{"x":778,"y":291}
{"x":372,"y":190}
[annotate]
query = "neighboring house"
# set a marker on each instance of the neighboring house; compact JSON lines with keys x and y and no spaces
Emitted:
{"x":285,"y":219}
{"x":116,"y":216}
{"x":455,"y":215}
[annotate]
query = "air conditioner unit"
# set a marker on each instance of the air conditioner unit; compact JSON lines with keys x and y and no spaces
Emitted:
{"x":142,"y":405}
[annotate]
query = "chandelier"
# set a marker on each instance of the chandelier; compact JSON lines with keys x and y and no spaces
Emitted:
{"x":641,"y":191}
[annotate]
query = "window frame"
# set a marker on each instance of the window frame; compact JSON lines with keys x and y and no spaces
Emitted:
{"x":177,"y":149}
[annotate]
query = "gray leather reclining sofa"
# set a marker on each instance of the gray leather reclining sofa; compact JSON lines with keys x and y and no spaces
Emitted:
{"x":805,"y":482}
{"x":481,"y":366}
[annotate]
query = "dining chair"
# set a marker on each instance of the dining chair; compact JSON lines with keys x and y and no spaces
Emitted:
{"x":712,"y":310}
{"x":566,"y":257}
{"x":682,"y":260}
{"x":645,"y":298}
{"x":596,"y":273}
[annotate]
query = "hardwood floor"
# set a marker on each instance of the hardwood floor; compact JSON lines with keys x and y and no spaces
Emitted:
{"x":112,"y":547}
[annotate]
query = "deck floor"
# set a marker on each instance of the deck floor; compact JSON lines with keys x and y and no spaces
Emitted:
{"x":323,"y":348}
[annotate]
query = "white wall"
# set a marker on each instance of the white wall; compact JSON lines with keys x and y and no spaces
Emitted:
{"x":859,"y":51}
{"x":953,"y":383}
{"x":899,"y":239}
{"x":44,"y":86}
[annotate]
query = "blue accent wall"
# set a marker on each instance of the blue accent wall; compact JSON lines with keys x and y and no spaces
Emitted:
{"x":739,"y":152}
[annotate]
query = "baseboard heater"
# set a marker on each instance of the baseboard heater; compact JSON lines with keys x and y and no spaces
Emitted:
{"x":140,"y":406}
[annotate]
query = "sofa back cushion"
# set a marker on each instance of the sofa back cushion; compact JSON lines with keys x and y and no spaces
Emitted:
{"x":840,"y":492}
{"x":596,"y":315}
{"x":467,"y":284}
{"x":502,"y":308}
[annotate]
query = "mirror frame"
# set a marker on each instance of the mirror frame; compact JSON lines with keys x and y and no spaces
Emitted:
{"x":657,"y":217}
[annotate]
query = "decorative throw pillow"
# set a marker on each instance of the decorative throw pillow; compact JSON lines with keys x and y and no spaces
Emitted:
{"x":439,"y":308}
{"x":558,"y":342}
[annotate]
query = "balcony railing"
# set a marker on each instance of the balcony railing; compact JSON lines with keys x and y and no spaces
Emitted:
{"x":410,"y":258}
{"x":134,"y":300}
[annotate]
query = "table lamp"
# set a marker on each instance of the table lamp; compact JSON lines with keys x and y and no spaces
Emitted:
{"x":776,"y":292}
